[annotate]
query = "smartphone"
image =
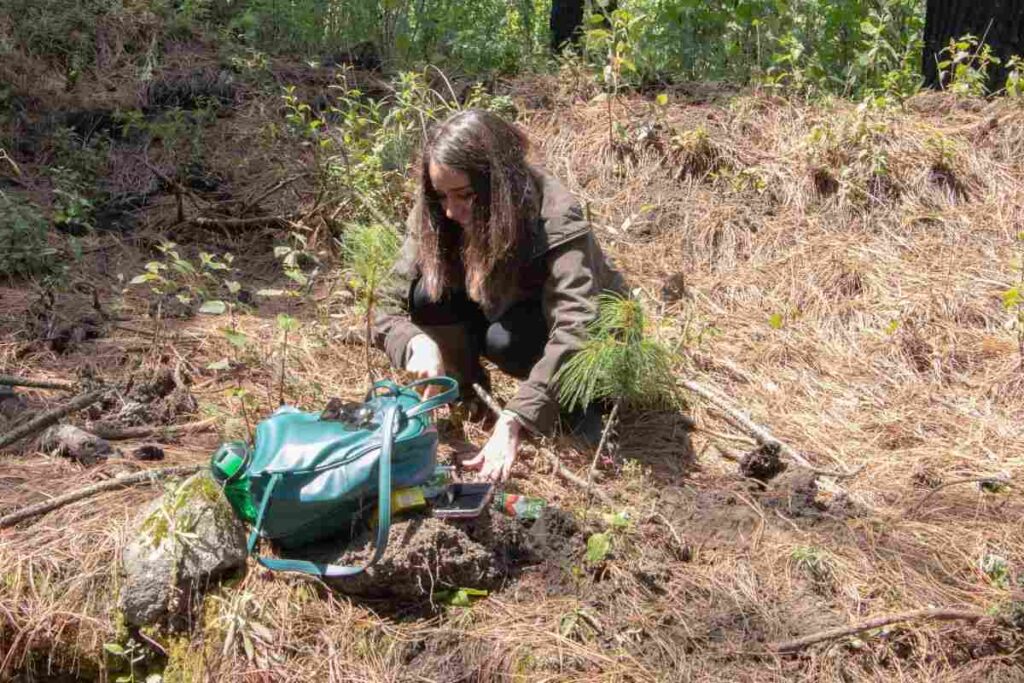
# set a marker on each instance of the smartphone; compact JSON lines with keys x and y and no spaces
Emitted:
{"x":462,"y":501}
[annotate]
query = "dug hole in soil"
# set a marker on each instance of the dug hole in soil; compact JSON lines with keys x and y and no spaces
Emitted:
{"x":427,"y":555}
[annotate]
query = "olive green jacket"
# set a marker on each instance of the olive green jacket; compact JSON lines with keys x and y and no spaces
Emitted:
{"x":565,"y":274}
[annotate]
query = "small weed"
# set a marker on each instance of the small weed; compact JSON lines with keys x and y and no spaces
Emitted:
{"x":24,"y":250}
{"x":964,"y":66}
{"x":816,"y":562}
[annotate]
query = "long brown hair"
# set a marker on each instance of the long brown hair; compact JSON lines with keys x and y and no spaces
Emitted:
{"x":487,"y":255}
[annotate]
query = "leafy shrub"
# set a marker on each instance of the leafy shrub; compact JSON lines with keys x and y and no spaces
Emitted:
{"x":24,"y":250}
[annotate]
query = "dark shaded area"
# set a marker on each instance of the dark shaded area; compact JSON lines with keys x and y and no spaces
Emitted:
{"x":998,"y":23}
{"x":566,"y":23}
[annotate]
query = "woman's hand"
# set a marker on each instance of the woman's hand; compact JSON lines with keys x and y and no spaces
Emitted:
{"x":423,"y":360}
{"x":495,"y":459}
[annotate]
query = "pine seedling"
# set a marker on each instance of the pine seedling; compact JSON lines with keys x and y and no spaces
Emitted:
{"x":617,"y":363}
{"x":369,"y":250}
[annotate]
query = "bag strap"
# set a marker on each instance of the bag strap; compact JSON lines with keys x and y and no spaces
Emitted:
{"x":390,"y":426}
{"x":450,"y":393}
{"x":392,"y":388}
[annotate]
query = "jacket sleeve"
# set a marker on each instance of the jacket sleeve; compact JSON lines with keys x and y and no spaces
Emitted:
{"x":569,"y":302}
{"x":392,"y":328}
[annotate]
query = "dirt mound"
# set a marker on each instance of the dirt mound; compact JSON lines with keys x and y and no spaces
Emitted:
{"x":153,"y":397}
{"x":427,"y":556}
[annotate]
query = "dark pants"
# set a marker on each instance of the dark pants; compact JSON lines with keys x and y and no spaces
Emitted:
{"x":514,"y":342}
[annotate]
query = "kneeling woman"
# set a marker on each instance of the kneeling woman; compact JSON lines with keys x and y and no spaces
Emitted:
{"x":498,"y":262}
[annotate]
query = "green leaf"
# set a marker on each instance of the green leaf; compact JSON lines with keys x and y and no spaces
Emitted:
{"x":140,"y":279}
{"x":213,"y":307}
{"x":233,"y":286}
{"x":661,"y":99}
{"x":567,"y":624}
{"x":287,"y":323}
{"x":598,"y":546}
{"x":281,"y":251}
{"x":619,"y":520}
{"x":114,"y":649}
{"x":222,"y":364}
{"x":236,"y":338}
{"x":463,"y":597}
{"x":776,"y":321}
{"x":1011,"y":298}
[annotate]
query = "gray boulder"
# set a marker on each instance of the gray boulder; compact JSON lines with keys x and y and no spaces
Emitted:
{"x":185,"y":540}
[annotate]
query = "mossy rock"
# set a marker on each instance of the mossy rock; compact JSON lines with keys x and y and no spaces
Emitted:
{"x":185,"y":540}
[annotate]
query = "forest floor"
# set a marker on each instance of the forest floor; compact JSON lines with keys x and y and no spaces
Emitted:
{"x":837,"y":272}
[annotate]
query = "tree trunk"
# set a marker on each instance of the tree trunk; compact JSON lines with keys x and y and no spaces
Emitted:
{"x":566,"y":22}
{"x":998,"y":23}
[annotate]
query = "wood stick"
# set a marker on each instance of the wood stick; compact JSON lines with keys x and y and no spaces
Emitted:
{"x":13,"y":381}
{"x":125,"y":433}
{"x":759,"y":433}
{"x":556,"y":463}
{"x":146,"y":476}
{"x":284,"y":183}
{"x":41,"y":422}
{"x":605,"y":433}
{"x":995,"y":479}
{"x":878,"y":622}
{"x":741,"y":421}
{"x":205,"y":222}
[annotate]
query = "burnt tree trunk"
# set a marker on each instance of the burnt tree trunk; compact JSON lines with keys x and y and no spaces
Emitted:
{"x":566,"y":23}
{"x":998,"y":23}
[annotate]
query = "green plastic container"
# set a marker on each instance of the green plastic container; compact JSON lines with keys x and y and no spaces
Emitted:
{"x":230,"y":465}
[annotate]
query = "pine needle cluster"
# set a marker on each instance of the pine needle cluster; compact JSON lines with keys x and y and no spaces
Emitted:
{"x":369,"y":251}
{"x":617,"y":362}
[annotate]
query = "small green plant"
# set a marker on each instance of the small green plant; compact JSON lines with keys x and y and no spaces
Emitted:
{"x":370,"y":251}
{"x":1015,"y":78}
{"x":132,"y":653}
{"x":188,"y":282}
{"x":238,"y":618}
{"x":816,"y":562}
{"x":996,"y":568}
{"x":286,"y":324}
{"x":1013,"y":299}
{"x":24,"y":250}
{"x":72,"y":209}
{"x":964,"y":66}
{"x":611,"y":40}
{"x":618,"y":361}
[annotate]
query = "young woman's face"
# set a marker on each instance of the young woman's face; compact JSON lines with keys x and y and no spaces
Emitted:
{"x":455,"y":191}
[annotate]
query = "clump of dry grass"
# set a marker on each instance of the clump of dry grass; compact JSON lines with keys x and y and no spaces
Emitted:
{"x":862,"y":322}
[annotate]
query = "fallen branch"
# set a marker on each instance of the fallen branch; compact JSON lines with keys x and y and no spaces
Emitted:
{"x":144,"y":477}
{"x":126,"y":433}
{"x":13,"y":381}
{"x":205,"y":222}
{"x":878,"y":622}
{"x":556,"y":463}
{"x":993,"y":480}
{"x":756,"y":431}
{"x":50,"y":417}
{"x":277,"y":186}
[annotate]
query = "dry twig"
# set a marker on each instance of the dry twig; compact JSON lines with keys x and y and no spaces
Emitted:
{"x":114,"y":434}
{"x":13,"y":381}
{"x":798,"y":644}
{"x":146,"y":476}
{"x":995,"y":479}
{"x":41,"y":422}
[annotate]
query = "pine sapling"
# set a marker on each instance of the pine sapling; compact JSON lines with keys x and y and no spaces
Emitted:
{"x":370,"y":251}
{"x":617,"y":363}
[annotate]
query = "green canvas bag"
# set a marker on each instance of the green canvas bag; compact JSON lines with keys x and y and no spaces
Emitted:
{"x":309,"y":479}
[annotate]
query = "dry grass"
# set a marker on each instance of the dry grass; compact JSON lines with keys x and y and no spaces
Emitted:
{"x":857,"y":313}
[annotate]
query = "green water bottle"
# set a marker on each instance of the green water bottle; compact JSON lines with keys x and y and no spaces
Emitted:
{"x":520,"y":507}
{"x":230,"y":465}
